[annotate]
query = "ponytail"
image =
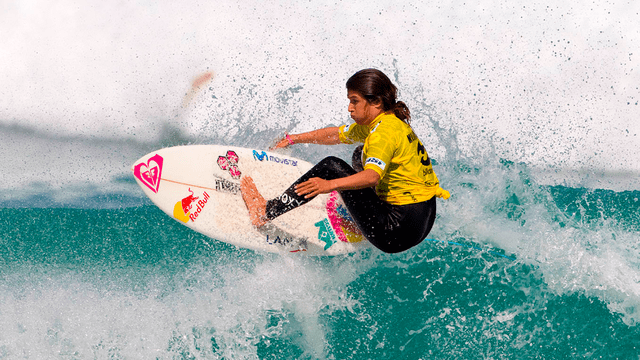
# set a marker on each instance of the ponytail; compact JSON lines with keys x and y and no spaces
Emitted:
{"x":402,"y":112}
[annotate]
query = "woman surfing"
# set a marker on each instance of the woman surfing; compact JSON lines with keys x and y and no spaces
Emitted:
{"x":392,"y":197}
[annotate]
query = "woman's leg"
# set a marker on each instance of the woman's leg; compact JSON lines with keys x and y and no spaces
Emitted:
{"x":391,"y":228}
{"x":328,"y":169}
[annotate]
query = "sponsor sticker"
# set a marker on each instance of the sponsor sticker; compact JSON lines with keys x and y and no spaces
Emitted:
{"x":150,"y":172}
{"x":263,"y":156}
{"x":184,"y":209}
{"x":282,"y":240}
{"x":229,"y":162}
{"x":227,"y":186}
{"x":290,"y":243}
{"x":324,"y":233}
{"x":341,"y":220}
{"x":375,"y":161}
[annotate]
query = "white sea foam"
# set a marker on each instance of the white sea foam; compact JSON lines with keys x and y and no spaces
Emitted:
{"x":503,"y":207}
{"x":206,"y":312}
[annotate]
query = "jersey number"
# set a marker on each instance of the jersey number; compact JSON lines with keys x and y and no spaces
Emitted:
{"x":423,"y":153}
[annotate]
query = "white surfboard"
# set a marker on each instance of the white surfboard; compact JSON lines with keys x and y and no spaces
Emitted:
{"x":199,"y":186}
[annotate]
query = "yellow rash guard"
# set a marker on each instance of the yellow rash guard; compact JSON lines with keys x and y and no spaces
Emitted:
{"x":393,"y":150}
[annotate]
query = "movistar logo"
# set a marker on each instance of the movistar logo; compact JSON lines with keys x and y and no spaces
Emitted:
{"x":259,"y":156}
{"x":262,"y":156}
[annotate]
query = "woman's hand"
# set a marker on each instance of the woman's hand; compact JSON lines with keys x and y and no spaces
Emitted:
{"x":281,"y":143}
{"x":326,"y":136}
{"x":313,"y":187}
{"x":316,"y":186}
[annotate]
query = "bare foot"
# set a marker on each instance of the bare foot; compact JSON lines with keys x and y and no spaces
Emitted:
{"x":256,"y":204}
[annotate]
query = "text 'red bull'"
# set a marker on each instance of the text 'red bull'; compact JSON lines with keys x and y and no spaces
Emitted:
{"x":182,"y":209}
{"x":199,"y":206}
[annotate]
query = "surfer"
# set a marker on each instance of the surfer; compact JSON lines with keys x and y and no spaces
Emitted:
{"x":392,"y":198}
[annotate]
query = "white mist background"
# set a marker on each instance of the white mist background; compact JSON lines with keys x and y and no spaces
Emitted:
{"x":552,"y":85}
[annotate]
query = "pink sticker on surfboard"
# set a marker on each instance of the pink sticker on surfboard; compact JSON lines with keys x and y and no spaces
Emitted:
{"x":229,"y":162}
{"x":150,"y":173}
{"x":341,"y":221}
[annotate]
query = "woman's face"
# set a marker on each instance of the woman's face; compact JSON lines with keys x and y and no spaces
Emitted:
{"x":362,"y":111}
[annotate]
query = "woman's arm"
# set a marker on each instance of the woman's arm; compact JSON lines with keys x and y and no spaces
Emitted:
{"x":326,"y":136}
{"x":315,"y":186}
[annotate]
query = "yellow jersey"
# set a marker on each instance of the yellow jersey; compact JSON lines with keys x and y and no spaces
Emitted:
{"x":393,"y":150}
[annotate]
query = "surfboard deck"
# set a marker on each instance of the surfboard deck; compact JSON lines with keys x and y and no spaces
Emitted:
{"x":199,"y":186}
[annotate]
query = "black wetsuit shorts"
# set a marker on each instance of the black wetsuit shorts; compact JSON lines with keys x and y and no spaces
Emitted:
{"x":390,"y":228}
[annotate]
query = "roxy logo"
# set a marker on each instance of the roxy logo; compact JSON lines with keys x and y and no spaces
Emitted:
{"x":288,"y":201}
{"x":230,"y":164}
{"x":263,"y":156}
{"x":150,"y":173}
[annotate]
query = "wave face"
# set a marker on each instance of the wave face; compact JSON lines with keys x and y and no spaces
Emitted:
{"x":529,"y":111}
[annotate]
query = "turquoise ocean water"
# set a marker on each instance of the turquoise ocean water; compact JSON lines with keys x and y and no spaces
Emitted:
{"x":529,"y":109}
{"x":133,"y":283}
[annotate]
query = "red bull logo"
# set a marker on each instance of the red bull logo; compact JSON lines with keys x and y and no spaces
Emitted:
{"x":150,"y":173}
{"x":183,"y":208}
{"x":230,"y":164}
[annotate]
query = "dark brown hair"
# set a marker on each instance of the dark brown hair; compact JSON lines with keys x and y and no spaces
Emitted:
{"x":375,"y":86}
